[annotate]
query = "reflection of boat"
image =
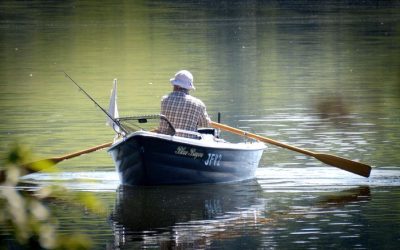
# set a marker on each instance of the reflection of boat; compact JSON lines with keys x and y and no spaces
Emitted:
{"x":147,"y":158}
{"x":199,"y":216}
{"x":361,"y":193}
{"x":170,"y":212}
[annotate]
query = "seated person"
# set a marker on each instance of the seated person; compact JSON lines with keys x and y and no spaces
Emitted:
{"x":184,"y":111}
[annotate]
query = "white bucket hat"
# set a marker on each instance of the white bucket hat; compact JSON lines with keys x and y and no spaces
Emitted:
{"x":183,"y":79}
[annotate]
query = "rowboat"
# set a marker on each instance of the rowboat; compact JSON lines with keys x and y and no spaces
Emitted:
{"x":144,"y":157}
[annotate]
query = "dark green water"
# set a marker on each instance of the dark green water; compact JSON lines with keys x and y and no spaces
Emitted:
{"x":318,"y":76}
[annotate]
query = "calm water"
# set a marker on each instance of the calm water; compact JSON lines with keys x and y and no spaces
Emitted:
{"x":318,"y":76}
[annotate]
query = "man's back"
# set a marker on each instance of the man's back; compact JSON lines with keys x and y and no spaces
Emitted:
{"x":184,"y":112}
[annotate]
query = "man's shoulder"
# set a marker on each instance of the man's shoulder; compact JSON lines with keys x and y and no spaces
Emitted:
{"x":181,"y":97}
{"x":169,"y":95}
{"x":195,"y":100}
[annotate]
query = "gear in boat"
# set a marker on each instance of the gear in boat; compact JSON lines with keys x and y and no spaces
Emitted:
{"x":150,"y":122}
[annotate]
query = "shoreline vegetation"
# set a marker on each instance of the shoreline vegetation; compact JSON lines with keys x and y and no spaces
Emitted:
{"x":28,"y":221}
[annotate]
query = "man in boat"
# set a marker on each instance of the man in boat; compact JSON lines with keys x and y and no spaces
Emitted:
{"x":184,"y":111}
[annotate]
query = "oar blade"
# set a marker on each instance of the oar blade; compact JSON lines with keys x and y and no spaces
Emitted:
{"x":333,"y":160}
{"x":40,"y":165}
{"x":345,"y":164}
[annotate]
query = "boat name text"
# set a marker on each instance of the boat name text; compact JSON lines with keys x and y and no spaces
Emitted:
{"x":192,"y":152}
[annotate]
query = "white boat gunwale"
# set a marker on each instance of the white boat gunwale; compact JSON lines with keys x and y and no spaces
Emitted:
{"x":203,"y":142}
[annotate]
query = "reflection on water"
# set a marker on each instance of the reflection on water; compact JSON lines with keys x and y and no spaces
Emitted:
{"x":182,"y":216}
{"x":222,"y":216}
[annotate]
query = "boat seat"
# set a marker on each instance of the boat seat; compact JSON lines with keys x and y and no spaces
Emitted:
{"x":208,"y":131}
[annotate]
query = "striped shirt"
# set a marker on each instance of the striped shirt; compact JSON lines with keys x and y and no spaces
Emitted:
{"x":184,"y":112}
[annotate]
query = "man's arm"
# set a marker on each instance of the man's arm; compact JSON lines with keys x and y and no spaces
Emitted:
{"x":204,"y":120}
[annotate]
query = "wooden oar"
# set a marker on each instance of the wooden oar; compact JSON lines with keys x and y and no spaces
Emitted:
{"x":36,"y":166}
{"x":333,"y":160}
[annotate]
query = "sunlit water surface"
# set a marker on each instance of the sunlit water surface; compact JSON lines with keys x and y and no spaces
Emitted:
{"x":323,"y":77}
{"x":309,"y":207}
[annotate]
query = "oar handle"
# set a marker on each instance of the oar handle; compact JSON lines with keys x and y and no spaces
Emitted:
{"x":86,"y":151}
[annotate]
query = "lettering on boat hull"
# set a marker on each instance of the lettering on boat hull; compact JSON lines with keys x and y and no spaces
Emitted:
{"x":191,"y":152}
{"x":213,"y":160}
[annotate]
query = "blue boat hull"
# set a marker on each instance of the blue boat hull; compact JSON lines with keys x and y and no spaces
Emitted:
{"x":145,"y":159}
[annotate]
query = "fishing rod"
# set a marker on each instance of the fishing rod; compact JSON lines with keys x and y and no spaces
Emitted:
{"x":98,"y":105}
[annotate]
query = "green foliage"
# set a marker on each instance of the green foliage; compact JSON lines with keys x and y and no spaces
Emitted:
{"x":24,"y":215}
